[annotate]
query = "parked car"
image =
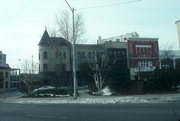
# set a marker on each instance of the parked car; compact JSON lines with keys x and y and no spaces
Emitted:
{"x":46,"y":87}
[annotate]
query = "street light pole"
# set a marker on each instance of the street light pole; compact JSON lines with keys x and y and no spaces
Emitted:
{"x":73,"y":54}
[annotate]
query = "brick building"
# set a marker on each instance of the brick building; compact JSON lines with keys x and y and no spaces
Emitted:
{"x":143,"y":57}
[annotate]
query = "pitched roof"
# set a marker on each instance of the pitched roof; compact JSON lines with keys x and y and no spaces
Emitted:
{"x":4,"y":66}
{"x":177,"y":21}
{"x":58,"y":40}
{"x":46,"y":39}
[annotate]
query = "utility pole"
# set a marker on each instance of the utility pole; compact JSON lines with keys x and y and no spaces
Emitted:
{"x":174,"y":62}
{"x":73,"y":53}
{"x":32,"y":65}
{"x":4,"y":85}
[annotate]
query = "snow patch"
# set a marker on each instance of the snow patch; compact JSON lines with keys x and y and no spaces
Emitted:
{"x":106,"y":91}
{"x":163,"y":98}
{"x":85,"y":98}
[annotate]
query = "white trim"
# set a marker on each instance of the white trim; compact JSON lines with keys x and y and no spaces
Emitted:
{"x":144,"y":46}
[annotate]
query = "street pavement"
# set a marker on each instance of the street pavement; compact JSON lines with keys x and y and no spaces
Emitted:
{"x":89,"y":112}
{"x":86,"y":112}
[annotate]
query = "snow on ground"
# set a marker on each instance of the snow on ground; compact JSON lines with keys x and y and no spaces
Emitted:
{"x":87,"y":99}
{"x":105,"y":91}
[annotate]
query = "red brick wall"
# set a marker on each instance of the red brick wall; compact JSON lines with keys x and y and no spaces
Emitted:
{"x":150,"y":52}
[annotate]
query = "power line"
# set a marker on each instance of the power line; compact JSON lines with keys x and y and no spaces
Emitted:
{"x":109,"y":5}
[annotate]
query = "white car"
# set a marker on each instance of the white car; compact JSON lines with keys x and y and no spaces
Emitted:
{"x":44,"y":88}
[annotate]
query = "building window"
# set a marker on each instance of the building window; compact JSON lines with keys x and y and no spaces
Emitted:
{"x":89,"y":55}
{"x":101,"y":53}
{"x":60,"y":67}
{"x":145,"y":51}
{"x":142,"y":51}
{"x":110,"y":53}
{"x":98,"y":54}
{"x":57,"y":67}
{"x":58,"y":54}
{"x":138,"y":48}
{"x":93,"y":55}
{"x":64,"y":55}
{"x":45,"y":67}
{"x":137,"y":51}
{"x":149,"y":51}
{"x":1,"y":76}
{"x":63,"y":67}
{"x":79,"y":55}
{"x":145,"y":63}
{"x":83,"y":55}
{"x":118,"y":53}
{"x":45,"y":55}
{"x":4,"y":58}
{"x":6,"y":75}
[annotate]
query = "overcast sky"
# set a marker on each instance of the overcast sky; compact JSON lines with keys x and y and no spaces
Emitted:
{"x":22,"y":22}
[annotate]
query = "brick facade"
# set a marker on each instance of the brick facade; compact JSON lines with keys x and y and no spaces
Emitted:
{"x":143,"y":55}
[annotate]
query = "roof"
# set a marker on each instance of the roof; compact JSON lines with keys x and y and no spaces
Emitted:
{"x":46,"y":39}
{"x":142,"y":39}
{"x":177,"y":21}
{"x":88,"y":45}
{"x":58,"y":40}
{"x":4,"y":66}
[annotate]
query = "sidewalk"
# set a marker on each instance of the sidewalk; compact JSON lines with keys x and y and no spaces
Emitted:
{"x":10,"y":94}
{"x":87,"y":99}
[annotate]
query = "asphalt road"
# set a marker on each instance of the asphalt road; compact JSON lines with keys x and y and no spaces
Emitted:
{"x":82,"y":112}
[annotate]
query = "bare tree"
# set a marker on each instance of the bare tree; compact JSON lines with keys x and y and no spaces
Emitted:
{"x":28,"y":70}
{"x":102,"y":68}
{"x":167,"y":51}
{"x":97,"y":70}
{"x":29,"y":67}
{"x":52,"y":32}
{"x":105,"y":70}
{"x":98,"y":73}
{"x":64,"y":27}
{"x":166,"y":56}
